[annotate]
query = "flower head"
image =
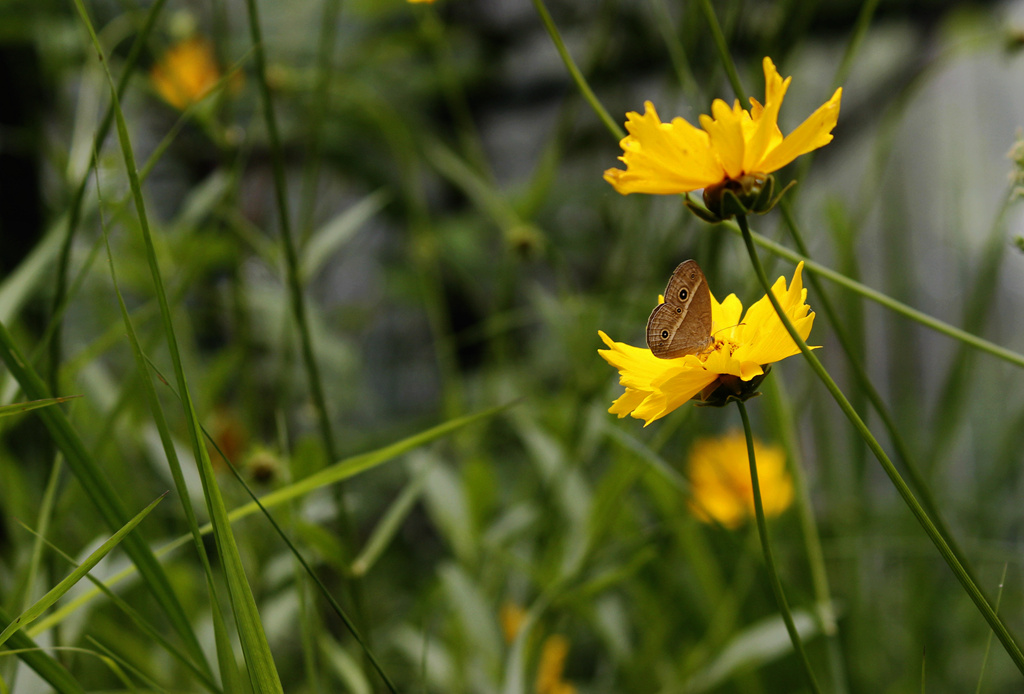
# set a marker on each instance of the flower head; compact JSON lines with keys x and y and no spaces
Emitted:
{"x":676,"y":157}
{"x":551,"y":666}
{"x":742,"y":351}
{"x":186,"y":72}
{"x":511,"y":617}
{"x":720,"y":480}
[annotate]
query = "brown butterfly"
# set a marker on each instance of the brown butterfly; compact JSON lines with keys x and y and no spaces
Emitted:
{"x":682,"y":325}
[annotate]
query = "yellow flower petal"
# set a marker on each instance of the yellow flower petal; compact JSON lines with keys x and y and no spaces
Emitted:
{"x":725,"y":130}
{"x":674,"y":392}
{"x":766,"y":136}
{"x":725,"y":316}
{"x":663,"y":158}
{"x":655,"y":387}
{"x":813,"y":133}
{"x":512,"y":617}
{"x":640,"y":364}
{"x":552,"y":663}
{"x":628,"y":402}
{"x":719,"y":474}
{"x":765,"y":338}
{"x":186,"y":72}
{"x":676,"y":157}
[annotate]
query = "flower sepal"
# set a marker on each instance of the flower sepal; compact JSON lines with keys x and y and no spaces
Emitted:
{"x":702,"y":212}
{"x":748,"y":194}
{"x":727,"y":388}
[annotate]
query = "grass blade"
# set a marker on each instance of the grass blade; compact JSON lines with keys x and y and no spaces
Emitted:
{"x":18,"y":407}
{"x":389,"y":525}
{"x":137,"y":618}
{"x":342,"y":470}
{"x":44,"y":665}
{"x":99,"y":490}
{"x":225,"y":652}
{"x":333,"y":235}
{"x":260,"y":663}
{"x":41,"y":605}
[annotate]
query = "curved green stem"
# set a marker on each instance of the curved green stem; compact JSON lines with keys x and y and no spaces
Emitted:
{"x":723,"y":49}
{"x":888,"y":421}
{"x":577,"y":76}
{"x":295,"y":288}
{"x":1009,"y":643}
{"x":60,"y":294}
{"x":769,"y":559}
{"x":879,"y":298}
{"x":779,"y":401}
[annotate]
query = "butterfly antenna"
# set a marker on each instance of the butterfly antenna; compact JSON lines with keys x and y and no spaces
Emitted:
{"x":727,"y":328}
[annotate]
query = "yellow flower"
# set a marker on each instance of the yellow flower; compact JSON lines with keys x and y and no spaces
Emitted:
{"x":676,"y":157}
{"x":720,"y":479}
{"x":511,"y":617}
{"x":552,"y":663}
{"x":741,"y":351}
{"x":186,"y":72}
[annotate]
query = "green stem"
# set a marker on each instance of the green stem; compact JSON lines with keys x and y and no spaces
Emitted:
{"x":723,"y":49}
{"x":1012,"y":649}
{"x":295,"y":291}
{"x":769,"y":559}
{"x":676,"y":53}
{"x":446,"y":64}
{"x":988,"y":642}
{"x":577,"y":76}
{"x":317,"y":115}
{"x":60,"y":294}
{"x":780,"y":402}
{"x":860,"y":372}
{"x":298,"y":300}
{"x":860,"y":30}
{"x":882,"y":299}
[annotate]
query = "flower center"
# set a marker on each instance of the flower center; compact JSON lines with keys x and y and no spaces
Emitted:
{"x":721,"y":344}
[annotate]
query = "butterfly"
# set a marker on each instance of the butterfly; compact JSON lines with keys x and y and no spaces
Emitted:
{"x":682,"y":325}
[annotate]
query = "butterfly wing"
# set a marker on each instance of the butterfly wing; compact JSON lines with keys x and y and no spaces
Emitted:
{"x":682,"y":325}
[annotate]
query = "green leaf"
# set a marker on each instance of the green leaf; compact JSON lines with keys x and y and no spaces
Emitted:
{"x":342,"y":470}
{"x":333,"y":235}
{"x":22,"y":282}
{"x":18,"y":407}
{"x":98,"y":489}
{"x":757,"y":645}
{"x":39,"y":660}
{"x":40,"y":606}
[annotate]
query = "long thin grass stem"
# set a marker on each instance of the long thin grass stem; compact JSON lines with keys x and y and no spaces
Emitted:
{"x":260,"y":664}
{"x":861,"y":374}
{"x":769,"y":559}
{"x":577,"y":76}
{"x":723,"y":49}
{"x":60,"y":294}
{"x":295,"y":289}
{"x":781,"y":404}
{"x":881,"y":298}
{"x":1000,"y":629}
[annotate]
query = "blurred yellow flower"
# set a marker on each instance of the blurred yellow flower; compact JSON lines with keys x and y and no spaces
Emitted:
{"x":512,"y":617}
{"x":553,"y":652}
{"x":186,"y":72}
{"x":676,"y":157}
{"x":720,"y":480}
{"x":552,"y":663}
{"x":655,"y":386}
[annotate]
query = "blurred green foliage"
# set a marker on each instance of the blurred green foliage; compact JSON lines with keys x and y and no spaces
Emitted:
{"x":458,"y":249}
